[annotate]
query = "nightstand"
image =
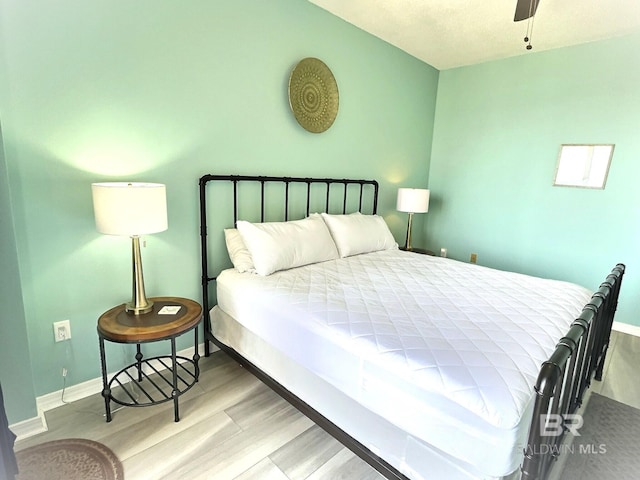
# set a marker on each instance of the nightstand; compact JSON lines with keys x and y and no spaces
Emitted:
{"x":421,"y":251}
{"x":158,"y":379}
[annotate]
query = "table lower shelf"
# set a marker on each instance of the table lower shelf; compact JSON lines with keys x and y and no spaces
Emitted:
{"x":151,"y":381}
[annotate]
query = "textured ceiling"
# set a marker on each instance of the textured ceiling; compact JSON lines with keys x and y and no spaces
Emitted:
{"x":453,"y":33}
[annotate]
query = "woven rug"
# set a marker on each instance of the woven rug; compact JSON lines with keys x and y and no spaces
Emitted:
{"x":607,"y":448}
{"x":70,"y":459}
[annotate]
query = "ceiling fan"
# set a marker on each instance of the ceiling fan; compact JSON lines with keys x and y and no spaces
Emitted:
{"x":526,"y":10}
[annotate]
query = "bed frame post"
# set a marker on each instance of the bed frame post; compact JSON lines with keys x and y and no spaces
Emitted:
{"x":565,"y":376}
{"x":204,"y":265}
{"x":547,"y":381}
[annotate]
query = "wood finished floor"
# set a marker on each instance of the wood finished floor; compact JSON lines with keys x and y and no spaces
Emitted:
{"x":233,"y":427}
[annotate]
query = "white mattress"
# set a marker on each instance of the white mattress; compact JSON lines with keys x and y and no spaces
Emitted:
{"x":446,"y":351}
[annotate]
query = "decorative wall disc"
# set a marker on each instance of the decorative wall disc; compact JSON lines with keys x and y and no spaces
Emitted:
{"x":313,"y":95}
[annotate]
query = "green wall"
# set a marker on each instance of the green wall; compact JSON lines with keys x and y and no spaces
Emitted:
{"x":15,"y":362}
{"x":165,"y":91}
{"x":497,"y":135}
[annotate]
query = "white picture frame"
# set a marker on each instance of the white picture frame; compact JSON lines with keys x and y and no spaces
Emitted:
{"x":583,"y":165}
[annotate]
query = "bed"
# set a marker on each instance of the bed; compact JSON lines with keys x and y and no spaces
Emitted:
{"x":426,"y":367}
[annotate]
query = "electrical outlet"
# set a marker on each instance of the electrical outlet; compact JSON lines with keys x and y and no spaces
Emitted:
{"x":473,"y":258}
{"x":443,"y":252}
{"x":61,"y":330}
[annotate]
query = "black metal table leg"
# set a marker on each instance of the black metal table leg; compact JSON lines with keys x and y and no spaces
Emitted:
{"x":175,"y":394}
{"x":196,"y":356}
{"x":106,"y":391}
{"x":139,"y":361}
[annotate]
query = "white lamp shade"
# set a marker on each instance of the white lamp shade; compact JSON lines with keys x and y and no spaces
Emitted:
{"x":413,"y":200}
{"x":128,"y":208}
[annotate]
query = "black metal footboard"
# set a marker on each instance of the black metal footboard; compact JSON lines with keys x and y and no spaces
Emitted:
{"x":565,"y":376}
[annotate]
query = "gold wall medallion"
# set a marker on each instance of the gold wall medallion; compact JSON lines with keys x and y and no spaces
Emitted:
{"x":313,"y":95}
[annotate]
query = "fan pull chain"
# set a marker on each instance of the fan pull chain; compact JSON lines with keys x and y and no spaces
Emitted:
{"x":530,"y":21}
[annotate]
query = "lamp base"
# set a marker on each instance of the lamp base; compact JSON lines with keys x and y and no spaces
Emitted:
{"x":140,"y":309}
{"x":139,"y":305}
{"x":407,"y":243}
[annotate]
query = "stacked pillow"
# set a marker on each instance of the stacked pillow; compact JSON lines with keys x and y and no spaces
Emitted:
{"x":268,"y":247}
{"x":356,"y":233}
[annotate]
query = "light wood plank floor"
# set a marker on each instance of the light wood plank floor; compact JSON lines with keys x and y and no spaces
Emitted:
{"x":234,"y":427}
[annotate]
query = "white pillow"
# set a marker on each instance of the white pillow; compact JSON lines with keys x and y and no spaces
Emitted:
{"x":356,"y":233}
{"x":238,"y":253}
{"x":278,"y":246}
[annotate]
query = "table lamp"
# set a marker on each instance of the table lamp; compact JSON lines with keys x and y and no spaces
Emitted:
{"x":412,"y":200}
{"x":131,"y":209}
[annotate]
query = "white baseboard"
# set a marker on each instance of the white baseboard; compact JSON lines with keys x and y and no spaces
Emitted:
{"x":29,"y":427}
{"x":626,"y":328}
{"x":49,"y":401}
{"x":74,"y":392}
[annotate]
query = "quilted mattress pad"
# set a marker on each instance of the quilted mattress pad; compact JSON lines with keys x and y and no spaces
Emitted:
{"x":446,"y":350}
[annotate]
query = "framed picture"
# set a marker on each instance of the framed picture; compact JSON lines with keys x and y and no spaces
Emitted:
{"x":585,"y":166}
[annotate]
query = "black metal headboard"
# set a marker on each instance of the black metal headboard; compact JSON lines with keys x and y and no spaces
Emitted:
{"x":350,"y":199}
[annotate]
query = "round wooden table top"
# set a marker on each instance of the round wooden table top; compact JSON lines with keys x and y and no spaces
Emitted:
{"x":170,"y":317}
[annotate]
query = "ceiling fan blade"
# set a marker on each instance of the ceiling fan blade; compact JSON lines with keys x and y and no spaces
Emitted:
{"x":525,"y":9}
